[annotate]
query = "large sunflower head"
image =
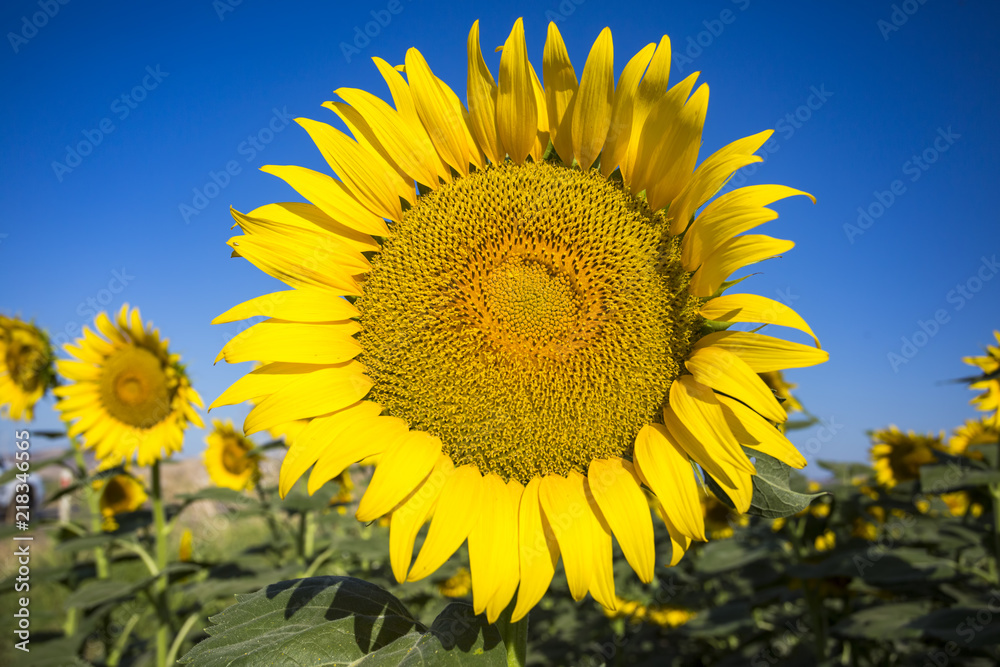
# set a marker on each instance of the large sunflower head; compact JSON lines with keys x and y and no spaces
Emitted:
{"x":228,"y":457}
{"x":127,"y":395}
{"x":515,"y":306}
{"x":897,"y":456}
{"x":119,"y":494}
{"x":26,"y":371}
{"x":989,"y":364}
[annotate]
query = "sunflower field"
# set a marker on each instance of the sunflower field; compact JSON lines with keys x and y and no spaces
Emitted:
{"x":513,"y":404}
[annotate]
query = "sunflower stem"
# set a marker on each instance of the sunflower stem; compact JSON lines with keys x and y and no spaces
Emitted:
{"x":307,"y":535}
{"x":93,"y":507}
{"x":813,"y":600}
{"x":515,"y":637}
{"x":160,"y":585}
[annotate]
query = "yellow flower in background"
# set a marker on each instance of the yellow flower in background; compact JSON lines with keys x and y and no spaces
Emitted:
{"x":521,"y":340}
{"x":228,"y":459}
{"x":719,"y":518}
{"x":973,"y":432}
{"x":119,"y":494}
{"x":826,"y":541}
{"x":186,"y":549}
{"x":898,"y":457}
{"x":665,"y":616}
{"x":960,"y":504}
{"x":127,"y":394}
{"x":25,"y":367}
{"x":866,"y":530}
{"x":775,"y":381}
{"x":989,"y":364}
{"x":457,"y":586}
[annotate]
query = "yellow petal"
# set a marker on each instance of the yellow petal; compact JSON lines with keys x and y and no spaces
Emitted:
{"x":309,"y":216}
{"x":482,"y":92}
{"x":666,"y":470}
{"x":357,"y":169}
{"x":754,"y":308}
{"x":408,"y":459}
{"x":538,"y":550}
{"x":679,"y":542}
{"x":443,"y":122}
{"x":661,"y":144}
{"x":752,"y":430}
{"x":516,"y":108}
{"x":331,"y":196}
{"x":560,"y":88}
{"x":409,"y":147}
{"x":312,"y":247}
{"x":732,"y":255}
{"x":764,"y":353}
{"x":353,"y":442}
{"x":541,"y":142}
{"x":412,"y":513}
{"x":681,"y":145}
{"x":459,"y":508}
{"x":731,"y":214}
{"x":293,"y":342}
{"x":617,"y":489}
{"x":319,"y":434}
{"x":509,"y":561}
{"x":293,"y":268}
{"x":566,"y":509}
{"x":316,"y":393}
{"x":740,"y":490}
{"x":293,"y":305}
{"x":375,"y":155}
{"x":698,"y":409}
{"x":493,"y":547}
{"x":592,"y":104}
{"x":651,"y":89}
{"x":620,"y":131}
{"x":726,"y":373}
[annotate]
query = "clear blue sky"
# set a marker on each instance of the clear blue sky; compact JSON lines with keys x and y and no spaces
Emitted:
{"x":912,"y":99}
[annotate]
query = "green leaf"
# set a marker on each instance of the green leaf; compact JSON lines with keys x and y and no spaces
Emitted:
{"x":845,"y":472}
{"x":94,"y":593}
{"x":772,"y":496}
{"x":953,"y":625}
{"x":883,"y":621}
{"x":953,"y":476}
{"x":723,"y":555}
{"x":326,"y":621}
{"x":220,"y":494}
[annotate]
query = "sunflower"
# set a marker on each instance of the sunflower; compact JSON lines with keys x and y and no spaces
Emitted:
{"x":458,"y":585}
{"x":128,"y":395}
{"x":515,"y":306}
{"x":989,"y":364}
{"x":666,"y":616}
{"x":973,"y":432}
{"x":119,"y":494}
{"x":898,"y":457}
{"x":25,"y":367}
{"x":228,"y":459}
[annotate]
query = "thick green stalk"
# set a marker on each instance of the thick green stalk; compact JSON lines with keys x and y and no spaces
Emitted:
{"x":515,"y":637}
{"x":160,"y":585}
{"x":93,"y":507}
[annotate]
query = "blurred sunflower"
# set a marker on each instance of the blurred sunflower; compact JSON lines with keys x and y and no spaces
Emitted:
{"x":228,"y":459}
{"x":665,"y":616}
{"x":458,"y":585}
{"x":524,"y":346}
{"x":989,"y":364}
{"x":128,"y":395}
{"x":25,"y":367}
{"x":719,"y":518}
{"x":898,"y":457}
{"x":119,"y":494}
{"x":960,"y":503}
{"x":185,"y":550}
{"x":973,"y":432}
